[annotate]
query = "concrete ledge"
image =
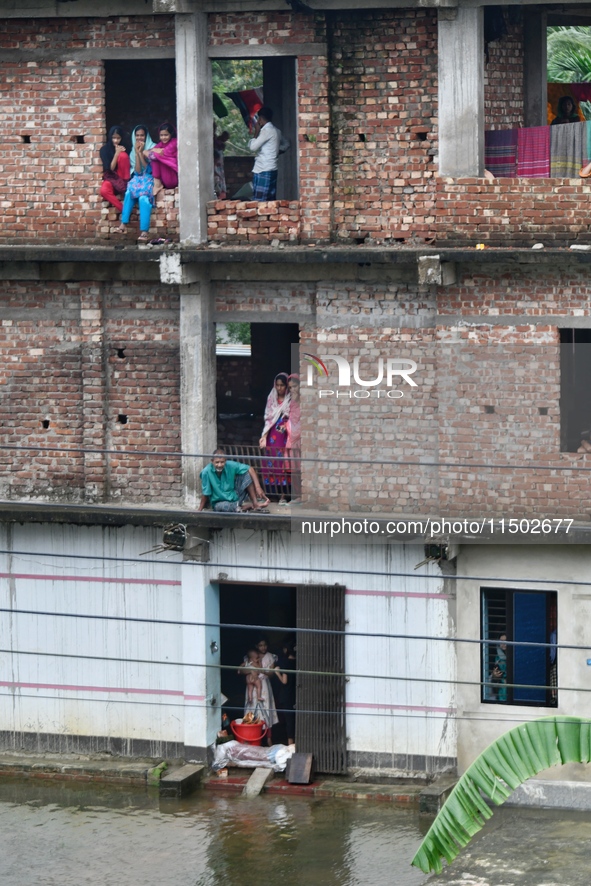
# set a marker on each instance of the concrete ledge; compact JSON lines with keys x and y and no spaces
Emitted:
{"x":553,"y":795}
{"x":181,"y":782}
{"x":432,"y":798}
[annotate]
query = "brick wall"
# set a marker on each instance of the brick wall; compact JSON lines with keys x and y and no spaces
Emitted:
{"x":488,"y":395}
{"x":79,"y":356}
{"x":245,"y":222}
{"x":50,"y":186}
{"x":384,"y":96}
{"x":512,"y":211}
{"x":503,"y":78}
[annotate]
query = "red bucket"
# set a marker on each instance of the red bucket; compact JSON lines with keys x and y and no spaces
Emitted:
{"x":249,"y":733}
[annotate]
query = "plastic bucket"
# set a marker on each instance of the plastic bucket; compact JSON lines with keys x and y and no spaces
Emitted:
{"x":249,"y":733}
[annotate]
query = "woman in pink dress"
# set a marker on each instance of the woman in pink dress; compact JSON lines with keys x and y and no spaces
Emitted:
{"x":274,"y":439}
{"x":294,"y":437}
{"x":164,"y":159}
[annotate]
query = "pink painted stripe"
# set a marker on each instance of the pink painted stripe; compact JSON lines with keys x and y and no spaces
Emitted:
{"x":427,"y":596}
{"x":400,"y":707}
{"x":96,"y":578}
{"x":123,"y":690}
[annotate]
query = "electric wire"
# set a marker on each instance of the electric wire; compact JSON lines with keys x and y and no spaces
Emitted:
{"x":296,"y":672}
{"x":288,"y":630}
{"x":318,"y":570}
{"x":333,"y":459}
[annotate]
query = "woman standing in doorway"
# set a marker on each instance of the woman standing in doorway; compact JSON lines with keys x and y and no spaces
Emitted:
{"x":274,"y":438}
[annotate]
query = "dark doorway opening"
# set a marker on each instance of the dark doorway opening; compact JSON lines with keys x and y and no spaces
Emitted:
{"x":245,"y":380}
{"x":249,"y":604}
{"x":140,"y":92}
{"x":318,"y":613}
{"x":575,"y":391}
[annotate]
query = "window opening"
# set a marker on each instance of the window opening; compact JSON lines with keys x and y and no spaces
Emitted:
{"x":569,"y":69}
{"x":241,"y":87}
{"x":140,"y":92}
{"x":575,"y":391}
{"x":527,"y":674}
{"x":249,"y":357}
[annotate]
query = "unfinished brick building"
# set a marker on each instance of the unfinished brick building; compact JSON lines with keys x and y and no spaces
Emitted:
{"x":108,"y":376}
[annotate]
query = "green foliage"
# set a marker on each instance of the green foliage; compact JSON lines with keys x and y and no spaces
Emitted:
{"x":233,"y":333}
{"x":504,"y":765}
{"x":569,"y":54}
{"x":234,"y":75}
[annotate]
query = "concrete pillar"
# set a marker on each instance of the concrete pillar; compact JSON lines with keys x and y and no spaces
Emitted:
{"x":461,"y":91}
{"x":198,"y":380}
{"x":279,"y":89}
{"x":535,"y":76}
{"x":195,"y":119}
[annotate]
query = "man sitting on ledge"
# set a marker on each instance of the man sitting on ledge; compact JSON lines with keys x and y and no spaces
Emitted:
{"x":227,"y":484}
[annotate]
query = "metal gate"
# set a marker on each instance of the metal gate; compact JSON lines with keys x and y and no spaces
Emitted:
{"x":320,"y":699}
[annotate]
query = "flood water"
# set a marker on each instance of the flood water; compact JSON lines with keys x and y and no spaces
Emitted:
{"x":64,"y":834}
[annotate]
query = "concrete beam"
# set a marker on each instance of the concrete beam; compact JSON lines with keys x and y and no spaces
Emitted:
{"x":182,"y":781}
{"x":198,"y":382}
{"x":534,"y":68}
{"x":270,"y":50}
{"x":51,"y":54}
{"x":195,"y":115}
{"x":461,"y":92}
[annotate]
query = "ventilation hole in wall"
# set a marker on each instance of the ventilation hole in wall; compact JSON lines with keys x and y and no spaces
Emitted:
{"x":360,"y":240}
{"x":543,"y":410}
{"x":122,"y":419}
{"x":489,"y":409}
{"x":45,"y":423}
{"x":362,"y":137}
{"x":26,"y":139}
{"x":422,"y":136}
{"x":78,"y":139}
{"x":399,"y":239}
{"x":121,"y":353}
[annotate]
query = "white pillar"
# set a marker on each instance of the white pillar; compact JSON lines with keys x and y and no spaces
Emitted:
{"x":461,"y":91}
{"x":195,"y":126}
{"x":198,"y":380}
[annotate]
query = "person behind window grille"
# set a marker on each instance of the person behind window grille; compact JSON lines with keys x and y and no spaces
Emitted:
{"x":499,"y":672}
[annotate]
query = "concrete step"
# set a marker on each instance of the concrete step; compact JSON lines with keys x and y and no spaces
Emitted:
{"x":182,"y":781}
{"x":257,"y":782}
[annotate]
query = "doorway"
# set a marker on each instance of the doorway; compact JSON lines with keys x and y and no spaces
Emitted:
{"x":315,"y":614}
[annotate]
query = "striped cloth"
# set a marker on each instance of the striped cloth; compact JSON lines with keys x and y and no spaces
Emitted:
{"x":587,"y":142}
{"x":533,"y":152}
{"x":264,"y":185}
{"x":500,"y":152}
{"x":567,"y":147}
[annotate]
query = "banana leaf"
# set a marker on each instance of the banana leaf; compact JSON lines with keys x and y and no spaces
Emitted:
{"x":509,"y":761}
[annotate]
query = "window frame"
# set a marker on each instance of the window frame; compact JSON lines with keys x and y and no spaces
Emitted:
{"x":489,"y":643}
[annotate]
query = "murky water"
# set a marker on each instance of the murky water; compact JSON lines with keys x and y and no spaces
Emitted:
{"x":63,"y":834}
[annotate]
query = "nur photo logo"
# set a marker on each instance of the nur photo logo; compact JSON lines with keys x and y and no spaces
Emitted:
{"x":381,"y":381}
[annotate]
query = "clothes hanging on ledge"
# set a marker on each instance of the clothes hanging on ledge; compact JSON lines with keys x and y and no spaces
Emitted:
{"x":533,"y":152}
{"x":500,"y":152}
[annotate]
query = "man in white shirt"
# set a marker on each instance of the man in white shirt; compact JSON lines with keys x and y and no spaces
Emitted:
{"x":266,"y":144}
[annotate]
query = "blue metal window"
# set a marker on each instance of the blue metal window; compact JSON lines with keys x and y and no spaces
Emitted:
{"x":519,"y":674}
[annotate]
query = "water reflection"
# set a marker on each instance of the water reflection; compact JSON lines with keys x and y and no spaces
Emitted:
{"x":69,"y":834}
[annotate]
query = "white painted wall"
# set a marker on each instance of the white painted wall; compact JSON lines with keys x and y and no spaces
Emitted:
{"x":409,"y":714}
{"x":52,"y":694}
{"x":546,"y":568}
